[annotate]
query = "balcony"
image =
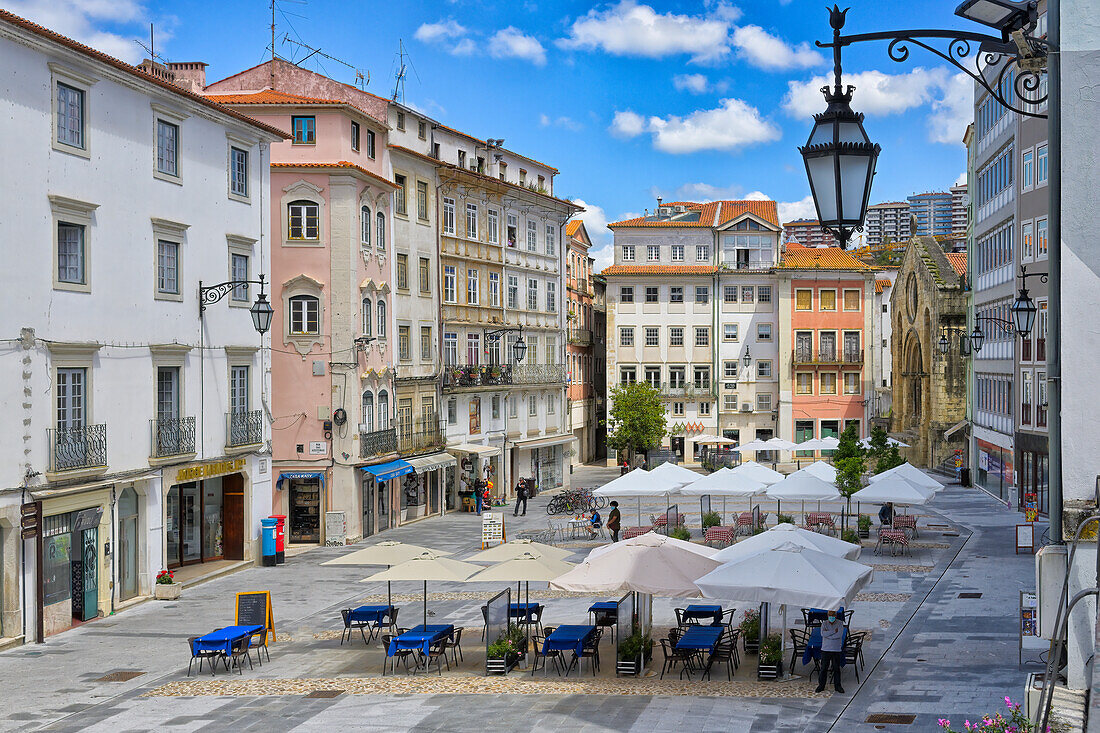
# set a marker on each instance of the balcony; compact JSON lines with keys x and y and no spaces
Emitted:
{"x":243,"y":428}
{"x":580,"y":336}
{"x":421,"y":436}
{"x":378,"y":443}
{"x":171,"y":436}
{"x":460,"y":376}
{"x":76,"y":448}
{"x":828,"y":356}
{"x":538,"y":374}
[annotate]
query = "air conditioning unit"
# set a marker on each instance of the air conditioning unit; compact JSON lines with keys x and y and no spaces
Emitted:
{"x":731,"y":385}
{"x":746,"y":407}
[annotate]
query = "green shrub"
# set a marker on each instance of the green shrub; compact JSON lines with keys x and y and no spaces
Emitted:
{"x":849,"y":535}
{"x":750,"y":626}
{"x":680,"y":533}
{"x":634,"y":645}
{"x":711,"y":519}
{"x":508,"y":645}
{"x":864,"y":523}
{"x":759,"y":530}
{"x":784,"y":519}
{"x":771,"y":649}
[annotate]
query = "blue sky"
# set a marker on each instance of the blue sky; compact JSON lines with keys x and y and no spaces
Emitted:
{"x":629,"y":100}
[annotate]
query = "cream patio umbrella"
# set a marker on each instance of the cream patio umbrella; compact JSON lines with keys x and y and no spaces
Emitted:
{"x":758,"y":472}
{"x":802,"y":487}
{"x":388,"y":553}
{"x":784,"y":533}
{"x":526,"y":567}
{"x":428,"y":566}
{"x":725,"y":482}
{"x":895,"y":490}
{"x":517,"y":549}
{"x":637,"y":484}
{"x":911,"y":473}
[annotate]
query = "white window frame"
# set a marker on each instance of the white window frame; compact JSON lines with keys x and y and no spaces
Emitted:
{"x":473,"y":286}
{"x":677,"y":253}
{"x":450,"y":283}
{"x":235,"y":147}
{"x":301,"y":314}
{"x":164,"y":288}
{"x":494,"y":289}
{"x":702,"y":253}
{"x":676,"y":336}
{"x":239,"y":246}
{"x":652,"y":336}
{"x":551,"y":241}
{"x":628,"y":253}
{"x":760,"y":332}
{"x":448,"y":216}
{"x":764,"y":369}
{"x":704,"y":332}
{"x":730,"y":331}
{"x":77,"y":213}
{"x":175,"y":119}
{"x":626,"y":335}
{"x":82,"y":83}
{"x":532,"y":294}
{"x":653,"y":253}
{"x":492,"y":233}
{"x":471,"y":220}
{"x":513,"y":292}
{"x":551,"y":296}
{"x":532,"y":236}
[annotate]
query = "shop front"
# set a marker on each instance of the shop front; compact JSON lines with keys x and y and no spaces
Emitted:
{"x":205,"y":513}
{"x":542,"y":459}
{"x":1033,"y":471}
{"x":475,"y":464}
{"x":304,"y":491}
{"x":383,"y":495}
{"x":994,"y":469}
{"x":424,"y":488}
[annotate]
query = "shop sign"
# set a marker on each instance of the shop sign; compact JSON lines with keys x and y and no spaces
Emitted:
{"x":983,"y":460}
{"x":318,"y":448}
{"x":209,"y":470}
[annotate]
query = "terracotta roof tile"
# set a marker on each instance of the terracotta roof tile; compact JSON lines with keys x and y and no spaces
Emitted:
{"x":133,"y":70}
{"x":572,"y":227}
{"x":343,"y":164}
{"x":711,"y":214}
{"x":270,"y":96}
{"x":958,"y":262}
{"x":881,"y":285}
{"x":659,"y":270}
{"x":821,"y":258}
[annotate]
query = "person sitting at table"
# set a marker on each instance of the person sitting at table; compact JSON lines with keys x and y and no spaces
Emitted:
{"x":594,"y":524}
{"x":832,"y":650}
{"x":614,"y":521}
{"x":886,"y":514}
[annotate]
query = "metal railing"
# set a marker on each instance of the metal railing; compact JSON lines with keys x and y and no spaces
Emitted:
{"x":580,"y":336}
{"x":172,"y":436}
{"x":463,"y":375}
{"x":378,"y":443}
{"x":421,"y":436}
{"x":538,"y":374}
{"x":244,"y":428}
{"x":828,"y":356}
{"x":78,"y":447}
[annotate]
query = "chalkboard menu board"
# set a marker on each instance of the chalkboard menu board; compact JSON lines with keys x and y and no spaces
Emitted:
{"x":254,"y":609}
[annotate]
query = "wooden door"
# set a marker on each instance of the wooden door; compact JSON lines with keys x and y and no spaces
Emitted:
{"x":233,"y":516}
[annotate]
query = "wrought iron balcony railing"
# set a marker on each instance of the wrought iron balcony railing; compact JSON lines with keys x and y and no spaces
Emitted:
{"x":244,"y":428}
{"x":172,"y":436}
{"x":853,"y":356}
{"x":378,"y":443}
{"x":77,"y":447}
{"x":580,"y":336}
{"x":828,"y":356}
{"x":421,"y":436}
{"x":464,"y":375}
{"x":538,"y":374}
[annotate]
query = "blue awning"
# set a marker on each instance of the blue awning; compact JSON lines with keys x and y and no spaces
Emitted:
{"x":386,"y":471}
{"x":290,"y":475}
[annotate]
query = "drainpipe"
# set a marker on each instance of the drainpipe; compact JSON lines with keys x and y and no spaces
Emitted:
{"x":1054,"y":267}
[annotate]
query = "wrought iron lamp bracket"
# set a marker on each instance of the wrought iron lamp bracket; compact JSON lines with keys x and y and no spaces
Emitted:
{"x":211,"y":294}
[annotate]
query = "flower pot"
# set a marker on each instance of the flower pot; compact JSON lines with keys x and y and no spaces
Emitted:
{"x":863,"y":533}
{"x":752,"y":646}
{"x":769,"y":671}
{"x":501,"y":666}
{"x":167,"y":591}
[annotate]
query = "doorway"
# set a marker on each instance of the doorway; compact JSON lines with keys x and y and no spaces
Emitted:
{"x":198,"y":517}
{"x":368,"y":505}
{"x":305,"y":510}
{"x":127,"y":544}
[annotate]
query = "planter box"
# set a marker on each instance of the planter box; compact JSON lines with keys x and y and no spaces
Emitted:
{"x":500,"y":666}
{"x":752,"y":647}
{"x":863,"y":533}
{"x":769,"y":671}
{"x":630,"y":667}
{"x":167,"y":591}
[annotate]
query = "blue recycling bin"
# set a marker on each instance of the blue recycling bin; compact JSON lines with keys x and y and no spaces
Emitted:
{"x":267,"y":539}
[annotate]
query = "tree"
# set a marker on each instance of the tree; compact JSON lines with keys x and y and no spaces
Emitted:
{"x":848,"y":459}
{"x":636,"y":422}
{"x":883,"y":455}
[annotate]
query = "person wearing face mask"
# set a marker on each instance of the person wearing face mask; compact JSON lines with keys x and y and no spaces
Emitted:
{"x":832,"y":647}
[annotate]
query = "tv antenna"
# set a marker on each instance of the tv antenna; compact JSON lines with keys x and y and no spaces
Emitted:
{"x":361,"y":79}
{"x":150,"y":49}
{"x":403,"y":67}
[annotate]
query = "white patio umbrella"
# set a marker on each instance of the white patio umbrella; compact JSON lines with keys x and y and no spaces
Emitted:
{"x":725,"y":482}
{"x":911,"y":473}
{"x":753,"y":445}
{"x":637,"y":484}
{"x":425,"y":567}
{"x":826,"y":443}
{"x":388,"y":553}
{"x":758,"y":472}
{"x":519,"y":548}
{"x":778,"y":444}
{"x":651,"y":563}
{"x":822,"y":470}
{"x":896,"y":490}
{"x":866,"y":443}
{"x":802,"y":487}
{"x":647,"y":539}
{"x":783,"y":533}
{"x":711,"y":440}
{"x":674,"y":474}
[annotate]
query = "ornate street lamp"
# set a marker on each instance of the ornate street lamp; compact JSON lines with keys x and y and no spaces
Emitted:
{"x":261,"y":310}
{"x":1023,"y":308}
{"x":747,"y":358}
{"x":944,"y":343}
{"x":977,"y":338}
{"x":519,"y":348}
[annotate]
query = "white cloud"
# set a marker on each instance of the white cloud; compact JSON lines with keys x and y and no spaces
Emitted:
{"x":78,"y":19}
{"x":512,"y":43}
{"x":766,"y":51}
{"x":733,"y":124}
{"x":694,"y":83}
{"x":595,"y":223}
{"x":465,"y":47}
{"x":961,"y":180}
{"x":630,"y":29}
{"x":791,"y":210}
{"x":627,"y":124}
{"x":567,"y":123}
{"x":442,"y":31}
{"x":704,"y":192}
{"x":953,"y":111}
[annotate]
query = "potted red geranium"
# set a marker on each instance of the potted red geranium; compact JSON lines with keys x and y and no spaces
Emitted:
{"x":166,"y":587}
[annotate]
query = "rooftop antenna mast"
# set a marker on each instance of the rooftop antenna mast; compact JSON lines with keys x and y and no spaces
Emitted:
{"x":272,"y":45}
{"x":150,"y":48}
{"x":399,"y":85}
{"x":361,"y":79}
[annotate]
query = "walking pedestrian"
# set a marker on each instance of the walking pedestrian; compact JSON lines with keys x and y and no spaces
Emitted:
{"x":477,"y":497}
{"x":832,"y":650}
{"x":521,"y":497}
{"x":614,"y":520}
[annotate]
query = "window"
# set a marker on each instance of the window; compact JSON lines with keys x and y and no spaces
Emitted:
{"x":729,"y":331}
{"x":532,"y":236}
{"x":512,"y":407}
{"x":852,"y":350}
{"x":422,"y":200}
{"x":304,"y":129}
{"x":551,"y":240}
{"x":532,"y":406}
{"x":652,"y":294}
{"x":628,"y":253}
{"x":513,"y":292}
{"x":551,"y":404}
{"x":729,"y":293}
{"x":471,"y":221}
{"x":729,"y":369}
{"x":677,"y":253}
{"x":702,"y":252}
{"x":653,"y":376}
{"x":450,"y":348}
{"x":1040,"y":238}
{"x":652,"y":336}
{"x":368,"y":316}
{"x":626,"y":335}
{"x":1027,"y":170}
{"x":380,"y":245}
{"x":552,"y":296}
{"x":168,"y":137}
{"x":851,"y":382}
{"x":370,"y":143}
{"x":366,"y":221}
{"x":238,"y":389}
{"x":425,"y":275}
{"x":677,"y":377}
{"x":304,"y":315}
{"x":400,"y":195}
{"x":1027,"y":240}
{"x":70,"y":253}
{"x":676,"y":336}
{"x":702,"y":377}
{"x":473,"y":348}
{"x":448,"y":216}
{"x":449,"y":284}
{"x":1041,"y":165}
{"x":303,"y":220}
{"x":851,"y":300}
{"x":495,"y":406}
{"x":827,"y":383}
{"x":494,"y":289}
{"x":472,"y":289}
{"x":355,"y":137}
{"x":422,"y":129}
{"x":512,"y":233}
{"x":492,"y":233}
{"x":763,"y":332}
{"x":238,"y":172}
{"x":532,"y":294}
{"x":168,"y":276}
{"x":238,"y":270}
{"x":403,"y":346}
{"x":764,"y":402}
{"x":764,"y":294}
{"x":826,"y":300}
{"x":747,"y":293}
{"x":452,"y":409}
{"x":704,"y":408}
{"x":702,"y":294}
{"x":729,"y":402}
{"x":676,"y":294}
{"x":381,"y":308}
{"x":677,"y":408}
{"x":763,"y":369}
{"x":461,"y":158}
{"x":626,"y":294}
{"x":702,"y":336}
{"x":803,"y":300}
{"x":70,"y":115}
{"x":804,"y":383}
{"x":400,"y":120}
{"x":402,"y":272}
{"x":502,"y":172}
{"x":653,"y":252}
{"x":551,"y":350}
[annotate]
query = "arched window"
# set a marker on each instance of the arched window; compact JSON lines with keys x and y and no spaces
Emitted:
{"x":302,"y":220}
{"x":383,"y":409}
{"x":381,"y":232}
{"x":364,"y":225}
{"x":381,"y":318}
{"x":368,"y":412}
{"x":305,"y":313}
{"x":368,"y":316}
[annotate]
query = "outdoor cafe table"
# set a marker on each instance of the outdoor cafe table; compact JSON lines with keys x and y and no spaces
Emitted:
{"x":814,"y":616}
{"x":420,"y":637}
{"x":745,"y":523}
{"x":605,"y":609}
{"x":906,"y":521}
{"x":526,"y":611}
{"x":702,"y":611}
{"x":370,"y":614}
{"x":568,"y":638}
{"x":701,"y":639}
{"x":724,"y":535}
{"x":223,"y":639}
{"x":631,"y":532}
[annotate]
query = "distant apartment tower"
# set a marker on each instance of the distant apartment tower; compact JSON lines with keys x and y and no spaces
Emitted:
{"x":808,"y":233}
{"x":933,"y":213}
{"x":887,"y":222}
{"x":960,"y":217}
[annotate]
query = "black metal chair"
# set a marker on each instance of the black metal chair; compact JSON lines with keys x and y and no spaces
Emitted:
{"x":350,"y":624}
{"x":590,"y":650}
{"x":240,"y":648}
{"x":403,"y":655}
{"x":800,"y":638}
{"x":680,"y":616}
{"x":726,"y":619}
{"x":437,"y":653}
{"x":853,"y":652}
{"x":674,"y":656}
{"x":734,"y":637}
{"x":538,"y":653}
{"x":724,"y":654}
{"x":485,"y":618}
{"x":259,"y":643}
{"x":201,"y":654}
{"x":454,"y":644}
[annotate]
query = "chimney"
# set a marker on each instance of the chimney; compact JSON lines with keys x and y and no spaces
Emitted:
{"x":190,"y":75}
{"x":658,"y":206}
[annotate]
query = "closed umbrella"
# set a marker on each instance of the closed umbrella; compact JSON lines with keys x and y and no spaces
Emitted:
{"x":896,"y":490}
{"x":758,"y":472}
{"x":425,"y":567}
{"x":388,"y":553}
{"x":911,"y":473}
{"x":784,"y":533}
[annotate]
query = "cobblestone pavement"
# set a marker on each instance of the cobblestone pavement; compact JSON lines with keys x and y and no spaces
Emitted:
{"x":931,"y":653}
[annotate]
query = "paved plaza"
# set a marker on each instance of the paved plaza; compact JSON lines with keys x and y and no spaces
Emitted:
{"x":932,"y":654}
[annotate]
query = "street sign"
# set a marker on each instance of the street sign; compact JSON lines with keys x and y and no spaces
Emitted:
{"x":28,"y":519}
